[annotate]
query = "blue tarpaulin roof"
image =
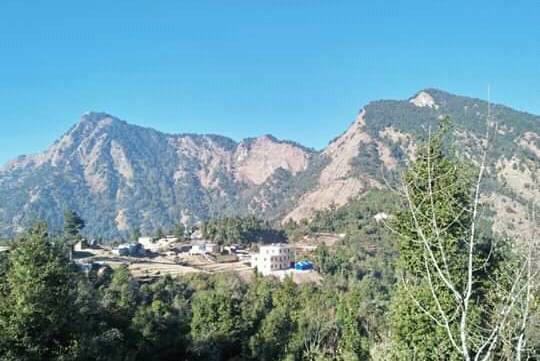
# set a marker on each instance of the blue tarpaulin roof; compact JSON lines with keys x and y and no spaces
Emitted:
{"x":302,"y":265}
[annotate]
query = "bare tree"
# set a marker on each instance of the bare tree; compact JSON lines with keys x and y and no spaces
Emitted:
{"x":530,"y":256}
{"x":473,"y":339}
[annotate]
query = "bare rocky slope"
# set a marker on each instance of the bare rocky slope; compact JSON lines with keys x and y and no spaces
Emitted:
{"x":120,"y":176}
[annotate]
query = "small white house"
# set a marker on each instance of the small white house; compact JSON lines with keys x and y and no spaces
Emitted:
{"x":198,"y":248}
{"x":151,"y":243}
{"x":212,"y":248}
{"x":203,"y":248}
{"x":154,"y":245}
{"x":147,"y":242}
{"x":129,"y":249}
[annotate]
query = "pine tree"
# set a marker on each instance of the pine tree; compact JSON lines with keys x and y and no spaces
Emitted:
{"x":73,"y":224}
{"x":438,"y":191}
{"x":38,"y":313}
{"x":457,"y":288}
{"x":179,"y":230}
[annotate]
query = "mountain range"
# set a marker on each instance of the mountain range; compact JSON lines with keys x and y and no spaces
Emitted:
{"x":119,"y":176}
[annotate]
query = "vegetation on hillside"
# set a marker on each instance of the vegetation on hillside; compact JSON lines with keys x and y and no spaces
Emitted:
{"x":227,"y":231}
{"x":411,"y":279}
{"x":51,"y":311}
{"x":167,"y":183}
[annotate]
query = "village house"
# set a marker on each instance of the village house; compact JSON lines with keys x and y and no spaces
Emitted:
{"x":273,"y":257}
{"x":203,"y":248}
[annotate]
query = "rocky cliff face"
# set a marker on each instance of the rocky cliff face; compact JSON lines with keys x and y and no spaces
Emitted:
{"x":384,"y":138}
{"x":120,"y":176}
{"x":337,"y":182}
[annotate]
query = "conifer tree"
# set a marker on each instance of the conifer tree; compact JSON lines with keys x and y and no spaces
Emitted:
{"x":38,"y":314}
{"x":457,"y":288}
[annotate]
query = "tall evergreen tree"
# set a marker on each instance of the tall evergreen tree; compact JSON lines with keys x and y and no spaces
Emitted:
{"x":438,"y":191}
{"x":135,"y":234}
{"x":159,"y":233}
{"x":451,"y":278}
{"x":38,"y":313}
{"x":73,"y":224}
{"x":178,"y":230}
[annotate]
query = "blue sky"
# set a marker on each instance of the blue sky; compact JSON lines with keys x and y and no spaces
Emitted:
{"x":299,"y":70}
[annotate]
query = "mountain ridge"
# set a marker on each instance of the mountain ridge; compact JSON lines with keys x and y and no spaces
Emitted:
{"x":121,"y":176}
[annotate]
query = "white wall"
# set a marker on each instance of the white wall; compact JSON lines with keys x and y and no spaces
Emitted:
{"x":272,"y":258}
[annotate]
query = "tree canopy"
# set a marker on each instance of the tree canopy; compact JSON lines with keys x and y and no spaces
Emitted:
{"x":73,"y":223}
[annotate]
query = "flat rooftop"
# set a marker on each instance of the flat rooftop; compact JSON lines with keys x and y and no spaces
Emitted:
{"x":275,"y":245}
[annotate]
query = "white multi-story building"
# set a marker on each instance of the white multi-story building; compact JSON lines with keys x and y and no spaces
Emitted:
{"x":273,"y":257}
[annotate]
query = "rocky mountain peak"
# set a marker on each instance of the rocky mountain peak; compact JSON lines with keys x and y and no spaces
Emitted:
{"x":424,"y":99}
{"x":118,"y":175}
{"x":94,"y":116}
{"x":267,"y":137}
{"x":92,"y":125}
{"x":98,"y":120}
{"x":257,"y":159}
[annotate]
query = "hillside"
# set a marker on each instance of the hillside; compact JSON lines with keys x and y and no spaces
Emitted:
{"x":120,"y":176}
{"x":378,"y":145}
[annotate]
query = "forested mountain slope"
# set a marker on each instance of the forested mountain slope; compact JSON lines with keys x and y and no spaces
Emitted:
{"x":120,"y":176}
{"x":379,"y":144}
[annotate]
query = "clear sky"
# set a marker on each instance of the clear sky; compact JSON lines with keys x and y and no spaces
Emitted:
{"x":299,"y":70}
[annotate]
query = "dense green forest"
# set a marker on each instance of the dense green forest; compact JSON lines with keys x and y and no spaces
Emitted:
{"x":241,"y":230}
{"x":51,"y":311}
{"x":428,"y":282}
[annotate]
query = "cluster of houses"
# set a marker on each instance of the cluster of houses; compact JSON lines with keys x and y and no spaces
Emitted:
{"x":139,"y":248}
{"x":269,"y":259}
{"x":130,"y":249}
{"x":153,"y":244}
{"x":202,"y":247}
